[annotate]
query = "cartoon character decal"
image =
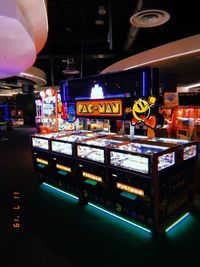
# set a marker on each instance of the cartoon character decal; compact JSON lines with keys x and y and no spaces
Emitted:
{"x":141,"y":111}
{"x":71,"y":112}
{"x":64,"y":111}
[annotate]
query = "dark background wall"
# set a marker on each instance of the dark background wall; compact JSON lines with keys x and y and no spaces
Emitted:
{"x":26,"y":102}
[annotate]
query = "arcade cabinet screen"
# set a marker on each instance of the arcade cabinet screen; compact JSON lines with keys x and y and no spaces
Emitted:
{"x":135,"y":83}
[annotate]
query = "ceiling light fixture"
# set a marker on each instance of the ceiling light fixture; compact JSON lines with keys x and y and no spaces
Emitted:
{"x":102,"y":10}
{"x":149,"y":18}
{"x":70,"y":70}
{"x":99,"y":22}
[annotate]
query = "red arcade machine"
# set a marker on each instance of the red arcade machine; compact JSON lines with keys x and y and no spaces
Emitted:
{"x":49,"y":111}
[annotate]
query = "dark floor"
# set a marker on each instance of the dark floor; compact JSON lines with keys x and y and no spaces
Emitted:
{"x":57,"y":231}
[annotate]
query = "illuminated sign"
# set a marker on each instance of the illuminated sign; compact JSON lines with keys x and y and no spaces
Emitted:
{"x":130,"y":189}
{"x":63,"y":168}
{"x":92,"y":176}
{"x":42,"y":161}
{"x":141,"y":111}
{"x":96,"y":92}
{"x":99,"y":108}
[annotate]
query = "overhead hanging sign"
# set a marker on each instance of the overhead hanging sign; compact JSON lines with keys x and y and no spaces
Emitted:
{"x":100,"y":108}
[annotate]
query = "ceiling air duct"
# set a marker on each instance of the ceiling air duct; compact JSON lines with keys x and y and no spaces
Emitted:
{"x":149,"y":18}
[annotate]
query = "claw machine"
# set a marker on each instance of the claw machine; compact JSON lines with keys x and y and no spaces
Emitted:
{"x":153,"y":181}
{"x":91,"y":169}
{"x":64,"y":164}
{"x":41,"y":153}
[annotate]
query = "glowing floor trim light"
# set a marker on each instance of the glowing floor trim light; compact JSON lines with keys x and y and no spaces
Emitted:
{"x":118,"y":217}
{"x":177,"y":222}
{"x":48,"y":185}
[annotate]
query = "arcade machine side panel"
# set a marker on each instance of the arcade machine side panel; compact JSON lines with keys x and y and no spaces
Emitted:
{"x":176,"y":184}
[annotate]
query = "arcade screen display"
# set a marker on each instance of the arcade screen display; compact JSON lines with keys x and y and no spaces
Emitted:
{"x":135,"y":83}
{"x":40,"y":143}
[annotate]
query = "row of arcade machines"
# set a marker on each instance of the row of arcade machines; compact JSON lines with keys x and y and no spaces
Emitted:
{"x":146,"y":180}
{"x":182,"y":115}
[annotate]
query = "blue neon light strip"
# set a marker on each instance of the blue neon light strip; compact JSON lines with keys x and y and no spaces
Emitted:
{"x":128,"y":195}
{"x":177,"y":222}
{"x":61,"y":191}
{"x":89,"y":181}
{"x":118,"y":217}
{"x":41,"y":165}
{"x":105,"y":96}
{"x":62,"y":172}
{"x":144,"y":83}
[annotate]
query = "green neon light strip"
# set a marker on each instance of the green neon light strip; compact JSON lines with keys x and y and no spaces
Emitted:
{"x":177,"y":222}
{"x":118,"y":217}
{"x":41,"y":165}
{"x":128,"y":195}
{"x":61,"y":191}
{"x":62,"y":172}
{"x":88,"y":181}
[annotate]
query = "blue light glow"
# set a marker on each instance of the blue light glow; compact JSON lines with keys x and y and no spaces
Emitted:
{"x":144,"y":83}
{"x":118,"y":217}
{"x":61,"y":191}
{"x":177,"y":222}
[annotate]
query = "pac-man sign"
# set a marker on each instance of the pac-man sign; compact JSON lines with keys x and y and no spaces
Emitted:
{"x":141,"y":111}
{"x":99,"y":108}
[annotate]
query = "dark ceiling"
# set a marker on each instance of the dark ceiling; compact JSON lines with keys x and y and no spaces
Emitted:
{"x":73,"y":33}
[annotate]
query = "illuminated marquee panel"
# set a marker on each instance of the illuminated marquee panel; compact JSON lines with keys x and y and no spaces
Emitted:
{"x":92,"y":176}
{"x":63,"y":168}
{"x":42,"y":161}
{"x":130,"y":189}
{"x":99,"y":108}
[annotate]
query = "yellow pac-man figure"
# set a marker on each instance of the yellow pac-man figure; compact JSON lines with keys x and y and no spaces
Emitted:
{"x":141,"y":112}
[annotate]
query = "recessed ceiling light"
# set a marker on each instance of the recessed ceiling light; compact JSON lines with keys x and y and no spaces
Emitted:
{"x":149,"y":18}
{"x":102,"y":10}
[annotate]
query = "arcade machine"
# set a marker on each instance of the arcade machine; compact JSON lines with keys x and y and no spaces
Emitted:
{"x":41,"y":153}
{"x":91,"y":169}
{"x":64,"y":163}
{"x":49,"y":111}
{"x":188,"y":116}
{"x":143,"y":180}
{"x":182,"y":115}
{"x":153,"y":180}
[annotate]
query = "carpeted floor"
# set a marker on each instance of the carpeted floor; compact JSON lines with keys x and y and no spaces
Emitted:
{"x":57,"y":231}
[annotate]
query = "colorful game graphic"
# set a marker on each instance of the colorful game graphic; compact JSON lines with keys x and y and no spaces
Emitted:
{"x":71,"y":112}
{"x":141,"y":111}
